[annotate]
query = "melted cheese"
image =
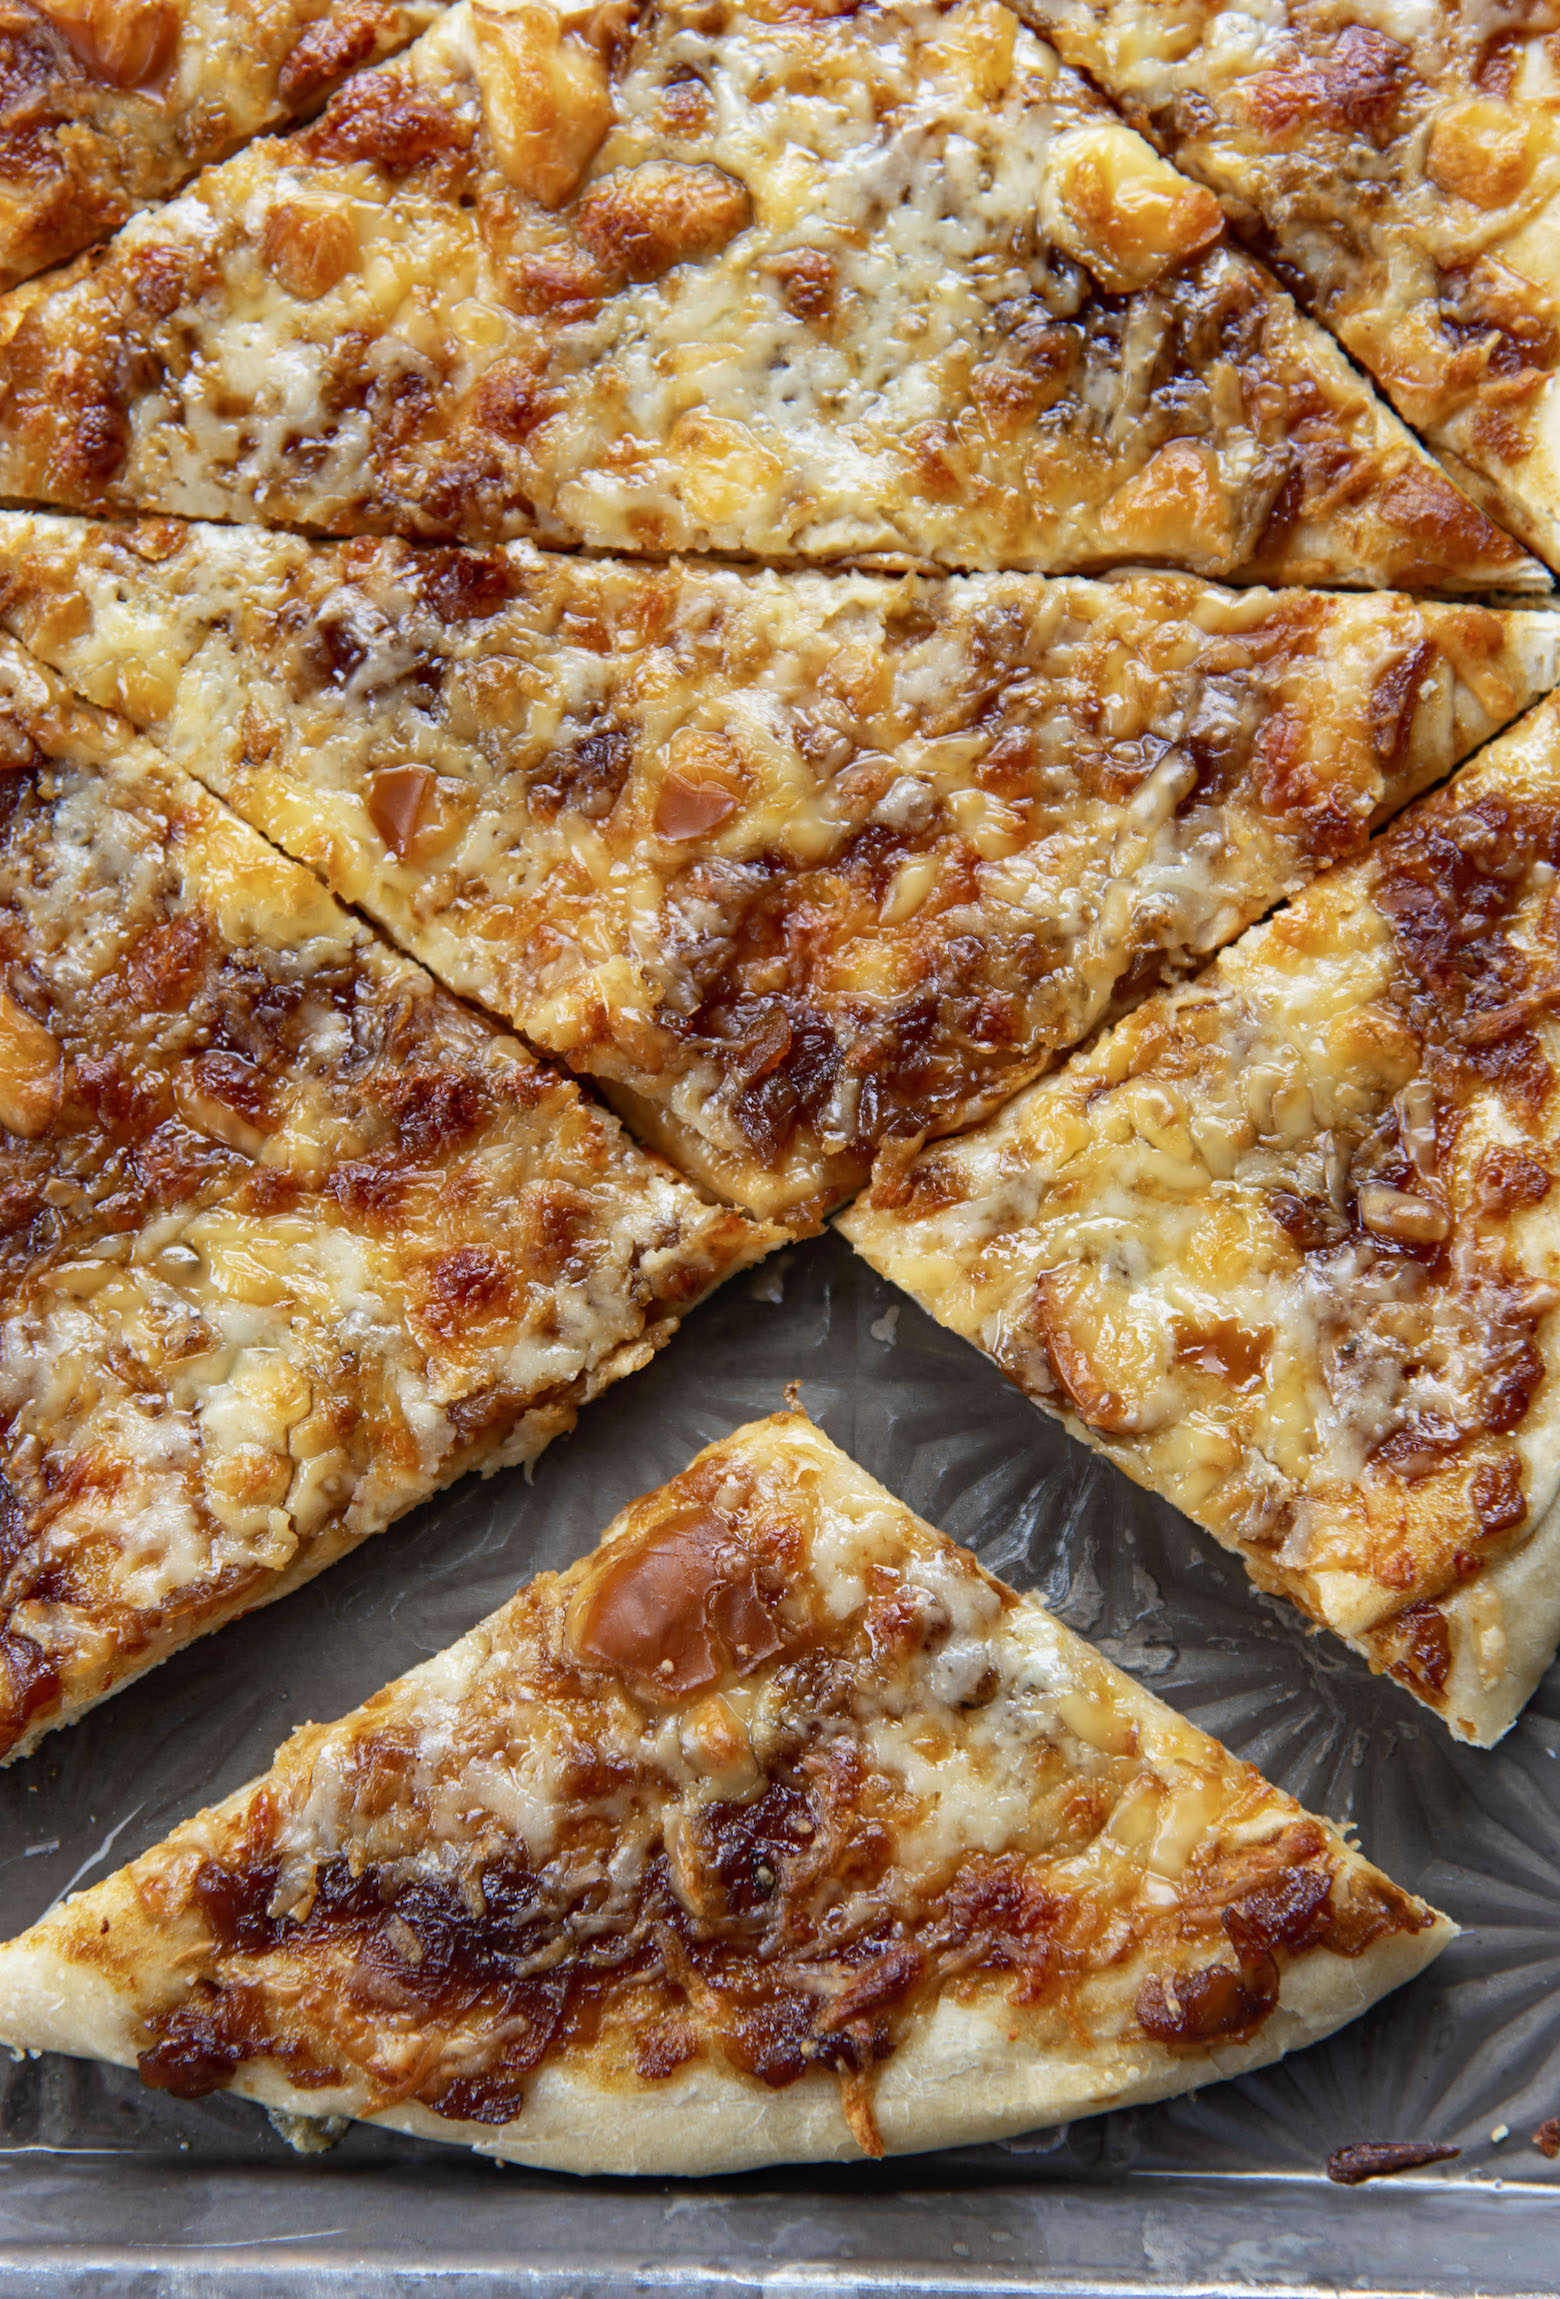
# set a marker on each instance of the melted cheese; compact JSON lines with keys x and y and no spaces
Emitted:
{"x":796,"y":862}
{"x":1279,"y":1243}
{"x":923,"y":1758}
{"x":886,"y":281}
{"x":301,"y":1238}
{"x":123,"y":100}
{"x":1404,"y":161}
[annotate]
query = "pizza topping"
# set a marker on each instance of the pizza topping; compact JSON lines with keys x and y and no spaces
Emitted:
{"x":640,"y":222}
{"x":1547,"y":2138}
{"x":129,"y":43}
{"x":32,"y":1072}
{"x":399,"y":798}
{"x":544,"y":96}
{"x":1116,"y":206}
{"x":679,"y":1613}
{"x":309,"y":246}
{"x":1481,"y":151}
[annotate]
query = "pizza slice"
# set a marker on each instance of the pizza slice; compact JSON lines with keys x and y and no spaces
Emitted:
{"x":1282,"y":1244}
{"x":797,"y":866}
{"x":734,"y":276}
{"x":1400,"y":166}
{"x":288,"y":1237}
{"x":106,"y":105}
{"x":775,"y":1828}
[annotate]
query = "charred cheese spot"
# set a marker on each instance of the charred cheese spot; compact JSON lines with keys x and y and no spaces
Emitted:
{"x":1480,"y":151}
{"x":640,"y":222}
{"x":1121,"y":211}
{"x":309,"y":246}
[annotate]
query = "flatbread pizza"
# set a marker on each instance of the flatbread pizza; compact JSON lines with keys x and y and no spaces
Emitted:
{"x":800,"y":867}
{"x":1282,"y":1243}
{"x":289,"y":1237}
{"x":736,"y":275}
{"x":1400,"y":167}
{"x":774,"y":1829}
{"x":109,"y":105}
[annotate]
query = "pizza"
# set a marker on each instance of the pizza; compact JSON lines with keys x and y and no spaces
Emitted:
{"x":109,"y":105}
{"x":1282,"y":1243}
{"x":773,"y":1829}
{"x":288,"y":1237}
{"x":743,"y":276}
{"x":799,"y":867}
{"x":1399,"y":165}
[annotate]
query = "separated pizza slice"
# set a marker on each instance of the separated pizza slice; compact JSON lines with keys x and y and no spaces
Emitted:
{"x":1282,"y":1244}
{"x":798,"y":866}
{"x":781,"y":281}
{"x":1401,"y":167}
{"x":106,"y":105}
{"x":773,"y":1829}
{"x":288,"y":1237}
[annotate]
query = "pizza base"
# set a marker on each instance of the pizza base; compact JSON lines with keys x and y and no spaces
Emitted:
{"x":953,"y":2076}
{"x":1376,"y":1435}
{"x":956,"y":2082}
{"x":424,"y":315}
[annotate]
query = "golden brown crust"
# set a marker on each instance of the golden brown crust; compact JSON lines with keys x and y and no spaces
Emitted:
{"x":755,"y":1835}
{"x":795,"y":865}
{"x":647,"y":286}
{"x":1283,"y":1244}
{"x":288,"y":1237}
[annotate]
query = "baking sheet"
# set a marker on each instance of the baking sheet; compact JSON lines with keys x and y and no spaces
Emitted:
{"x":105,"y":2186}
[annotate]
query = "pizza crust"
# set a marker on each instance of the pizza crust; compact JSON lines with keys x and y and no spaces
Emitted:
{"x":710,"y":328}
{"x":790,"y":864}
{"x":957,"y":2082}
{"x":970,"y":2065}
{"x":1283,"y":1244}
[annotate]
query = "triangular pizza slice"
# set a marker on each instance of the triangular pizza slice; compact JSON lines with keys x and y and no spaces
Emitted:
{"x":106,"y":105}
{"x":1400,"y":166}
{"x":1283,"y":1243}
{"x":288,"y":1237}
{"x":796,"y":865}
{"x":737,"y":276}
{"x":773,"y":1829}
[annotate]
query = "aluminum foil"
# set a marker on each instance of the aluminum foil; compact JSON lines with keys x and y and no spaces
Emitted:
{"x":104,"y":2185}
